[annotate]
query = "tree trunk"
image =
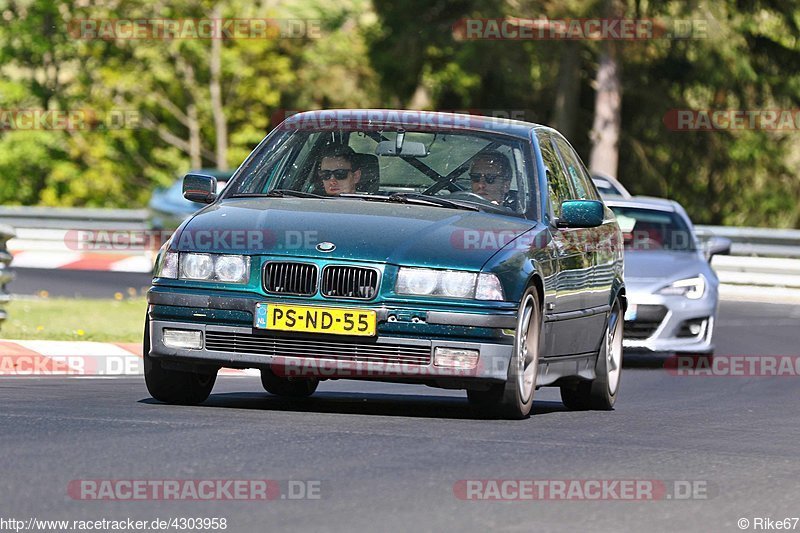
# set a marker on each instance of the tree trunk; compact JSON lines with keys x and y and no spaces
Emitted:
{"x":604,"y":158}
{"x":194,"y":136}
{"x":421,"y":98}
{"x":220,"y":124}
{"x":567,"y":90}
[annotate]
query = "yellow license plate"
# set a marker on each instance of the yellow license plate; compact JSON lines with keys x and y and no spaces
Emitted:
{"x":309,"y":319}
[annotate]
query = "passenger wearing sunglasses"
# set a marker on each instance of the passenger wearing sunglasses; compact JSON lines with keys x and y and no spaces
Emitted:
{"x":490,"y":174}
{"x":337,"y":173}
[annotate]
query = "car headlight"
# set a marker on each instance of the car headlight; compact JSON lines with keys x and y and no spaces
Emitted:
{"x":196,"y":266}
{"x":692,"y":288}
{"x":167,"y":266}
{"x":231,"y":268}
{"x":448,"y":284}
{"x":417,"y":281}
{"x":204,"y":267}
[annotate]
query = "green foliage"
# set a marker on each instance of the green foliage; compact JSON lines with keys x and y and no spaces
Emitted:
{"x":377,"y":53}
{"x":164,"y":85}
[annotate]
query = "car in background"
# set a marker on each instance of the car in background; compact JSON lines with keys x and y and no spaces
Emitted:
{"x":672,"y":289}
{"x":410,"y":276}
{"x":168,"y":208}
{"x":609,"y":187}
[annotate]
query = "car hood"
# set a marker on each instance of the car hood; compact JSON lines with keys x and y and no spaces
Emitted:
{"x":394,"y":233}
{"x":656,"y":268}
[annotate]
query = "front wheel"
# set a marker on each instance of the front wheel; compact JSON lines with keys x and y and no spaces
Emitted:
{"x":174,"y":386}
{"x":514,"y":399}
{"x":601,"y":393}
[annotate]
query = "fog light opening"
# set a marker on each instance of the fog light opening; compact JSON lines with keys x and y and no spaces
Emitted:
{"x":692,"y":328}
{"x":456,"y":358}
{"x":182,"y":338}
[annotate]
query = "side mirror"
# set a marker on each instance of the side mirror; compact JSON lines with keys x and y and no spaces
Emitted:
{"x":581,"y":214}
{"x":200,"y":188}
{"x":716,"y":246}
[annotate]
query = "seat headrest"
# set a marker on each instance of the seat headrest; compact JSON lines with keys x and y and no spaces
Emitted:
{"x":370,"y":173}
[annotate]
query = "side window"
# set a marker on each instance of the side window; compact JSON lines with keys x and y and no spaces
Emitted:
{"x":558,"y":185}
{"x":581,"y":182}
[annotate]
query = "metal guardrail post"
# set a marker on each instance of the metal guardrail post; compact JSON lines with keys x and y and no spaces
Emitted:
{"x":6,"y":232}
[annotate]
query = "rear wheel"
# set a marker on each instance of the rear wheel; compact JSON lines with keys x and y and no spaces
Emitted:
{"x":288,"y":387}
{"x":174,"y":386}
{"x":514,"y":398}
{"x":601,"y":393}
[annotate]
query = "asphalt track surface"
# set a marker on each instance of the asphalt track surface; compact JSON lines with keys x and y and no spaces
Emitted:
{"x":387,"y":457}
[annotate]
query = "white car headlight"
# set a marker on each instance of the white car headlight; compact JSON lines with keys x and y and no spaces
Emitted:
{"x":231,"y":268}
{"x":458,"y":284}
{"x":212,"y":267}
{"x":448,"y":284}
{"x":692,"y":288}
{"x":417,"y":281}
{"x":196,"y":266}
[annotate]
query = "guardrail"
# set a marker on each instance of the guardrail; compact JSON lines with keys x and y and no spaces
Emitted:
{"x":759,"y":256}
{"x":757,"y":242}
{"x":73,"y":218}
{"x":6,"y":233}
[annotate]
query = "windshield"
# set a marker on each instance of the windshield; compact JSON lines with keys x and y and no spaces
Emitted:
{"x":651,"y":229}
{"x":471,"y":169}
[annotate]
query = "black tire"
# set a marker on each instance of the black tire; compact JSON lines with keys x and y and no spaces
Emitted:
{"x":288,"y":387}
{"x":514,"y":398}
{"x":174,"y":386}
{"x":598,"y":394}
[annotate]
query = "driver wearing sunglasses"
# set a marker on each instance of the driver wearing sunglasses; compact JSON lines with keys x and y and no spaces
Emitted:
{"x":337,"y":173}
{"x":490,"y":175}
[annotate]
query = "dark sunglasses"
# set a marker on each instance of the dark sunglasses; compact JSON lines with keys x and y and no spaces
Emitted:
{"x":488,"y":178}
{"x":340,"y":174}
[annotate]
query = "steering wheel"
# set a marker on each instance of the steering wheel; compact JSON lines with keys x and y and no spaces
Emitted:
{"x":471,"y":196}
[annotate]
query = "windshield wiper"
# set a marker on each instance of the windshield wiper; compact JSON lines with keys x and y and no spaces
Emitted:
{"x":411,"y":198}
{"x":415,"y":197}
{"x":278,"y":193}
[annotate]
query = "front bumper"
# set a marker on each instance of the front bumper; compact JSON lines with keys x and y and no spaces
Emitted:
{"x":657,"y":323}
{"x":389,"y":358}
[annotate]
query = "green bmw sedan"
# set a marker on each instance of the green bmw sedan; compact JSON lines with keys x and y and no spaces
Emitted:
{"x":451,"y":250}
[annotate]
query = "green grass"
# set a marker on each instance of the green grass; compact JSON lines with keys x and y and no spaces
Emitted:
{"x":75,"y":319}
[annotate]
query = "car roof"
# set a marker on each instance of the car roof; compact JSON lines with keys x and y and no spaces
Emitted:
{"x":434,"y":120}
{"x":614,"y":183}
{"x":645,"y":202}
